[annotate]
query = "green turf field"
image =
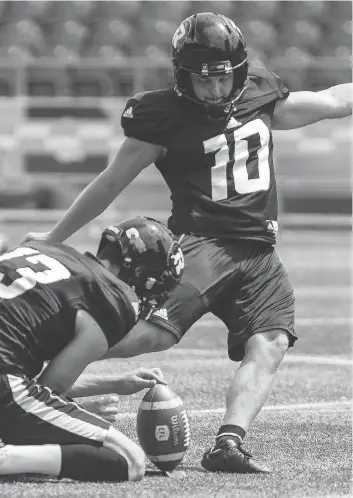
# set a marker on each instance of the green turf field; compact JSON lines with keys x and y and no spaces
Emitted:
{"x":304,"y":431}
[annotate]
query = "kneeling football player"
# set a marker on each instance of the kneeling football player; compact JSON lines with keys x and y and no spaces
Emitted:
{"x":67,"y":309}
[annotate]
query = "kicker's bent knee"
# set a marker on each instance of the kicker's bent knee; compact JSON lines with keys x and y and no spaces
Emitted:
{"x":280,"y":343}
{"x":267,"y":347}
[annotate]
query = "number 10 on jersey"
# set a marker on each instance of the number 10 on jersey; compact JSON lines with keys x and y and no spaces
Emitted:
{"x":246,"y":149}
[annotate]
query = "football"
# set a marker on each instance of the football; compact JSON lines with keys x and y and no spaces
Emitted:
{"x":163,"y":427}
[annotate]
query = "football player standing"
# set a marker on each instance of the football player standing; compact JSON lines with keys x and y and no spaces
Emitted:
{"x":210,"y":137}
{"x":67,"y":309}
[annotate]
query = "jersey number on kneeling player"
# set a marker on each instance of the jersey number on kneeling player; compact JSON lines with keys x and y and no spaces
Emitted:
{"x":27,"y":257}
{"x":235,"y":154}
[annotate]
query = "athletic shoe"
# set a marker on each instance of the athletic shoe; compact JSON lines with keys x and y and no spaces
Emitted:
{"x":228,"y":455}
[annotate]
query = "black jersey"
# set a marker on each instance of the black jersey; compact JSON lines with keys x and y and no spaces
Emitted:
{"x":220,"y":173}
{"x":41,"y":288}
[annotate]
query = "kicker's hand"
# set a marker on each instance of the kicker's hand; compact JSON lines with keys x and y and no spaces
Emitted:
{"x":139,"y":379}
{"x":35,"y":236}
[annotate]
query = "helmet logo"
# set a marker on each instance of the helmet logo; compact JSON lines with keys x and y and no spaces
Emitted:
{"x":132,"y":233}
{"x":180,"y":34}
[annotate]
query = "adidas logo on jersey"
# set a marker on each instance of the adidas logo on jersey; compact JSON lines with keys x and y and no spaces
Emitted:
{"x":128,"y":113}
{"x":233,"y":123}
{"x":272,"y":226}
{"x":161,"y":313}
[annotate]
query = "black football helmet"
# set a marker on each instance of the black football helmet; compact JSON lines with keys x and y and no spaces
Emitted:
{"x":209,"y":44}
{"x":151,"y":259}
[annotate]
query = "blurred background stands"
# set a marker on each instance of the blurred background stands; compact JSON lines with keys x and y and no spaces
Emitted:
{"x":68,"y":67}
{"x":291,"y":37}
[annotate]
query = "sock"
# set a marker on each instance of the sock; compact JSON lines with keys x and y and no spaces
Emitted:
{"x":231,"y":430}
{"x":31,"y":459}
{"x":88,"y":463}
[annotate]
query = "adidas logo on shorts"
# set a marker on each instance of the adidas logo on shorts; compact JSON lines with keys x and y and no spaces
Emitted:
{"x":128,"y":113}
{"x":272,"y":226}
{"x":161,"y":313}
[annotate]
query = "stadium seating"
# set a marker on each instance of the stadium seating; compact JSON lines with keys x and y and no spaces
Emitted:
{"x":109,"y":30}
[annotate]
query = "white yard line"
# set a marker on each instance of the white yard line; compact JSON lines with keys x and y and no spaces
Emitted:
{"x":322,"y":321}
{"x":323,"y":406}
{"x":318,"y":360}
{"x":221,"y":354}
{"x":329,"y":262}
{"x":322,"y":290}
{"x":303,"y":322}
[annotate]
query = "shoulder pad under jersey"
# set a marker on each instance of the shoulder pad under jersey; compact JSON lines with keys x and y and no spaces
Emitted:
{"x":264,"y":85}
{"x":149,"y":116}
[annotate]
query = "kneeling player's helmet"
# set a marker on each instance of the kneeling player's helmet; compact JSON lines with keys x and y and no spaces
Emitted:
{"x":209,"y":44}
{"x":151,"y":260}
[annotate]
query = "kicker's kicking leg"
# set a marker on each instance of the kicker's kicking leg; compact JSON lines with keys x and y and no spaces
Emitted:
{"x":252,"y":381}
{"x":246,"y":396}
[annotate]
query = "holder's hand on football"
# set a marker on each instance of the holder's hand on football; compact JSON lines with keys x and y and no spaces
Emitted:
{"x":106,"y":407}
{"x":141,"y":378}
{"x":36,"y":236}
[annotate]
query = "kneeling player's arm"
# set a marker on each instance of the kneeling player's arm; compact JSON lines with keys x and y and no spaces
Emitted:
{"x":87,"y":345}
{"x":304,"y":108}
{"x":96,"y":381}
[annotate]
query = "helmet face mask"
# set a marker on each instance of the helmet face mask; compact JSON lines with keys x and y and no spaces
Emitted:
{"x":151,"y":260}
{"x":153,"y":286}
{"x":209,"y":44}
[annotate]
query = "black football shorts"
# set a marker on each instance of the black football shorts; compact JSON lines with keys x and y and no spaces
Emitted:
{"x":242,"y":282}
{"x":33,"y":414}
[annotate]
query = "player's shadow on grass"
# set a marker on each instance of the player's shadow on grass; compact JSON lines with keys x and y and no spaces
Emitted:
{"x":194,"y":468}
{"x":184,"y":468}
